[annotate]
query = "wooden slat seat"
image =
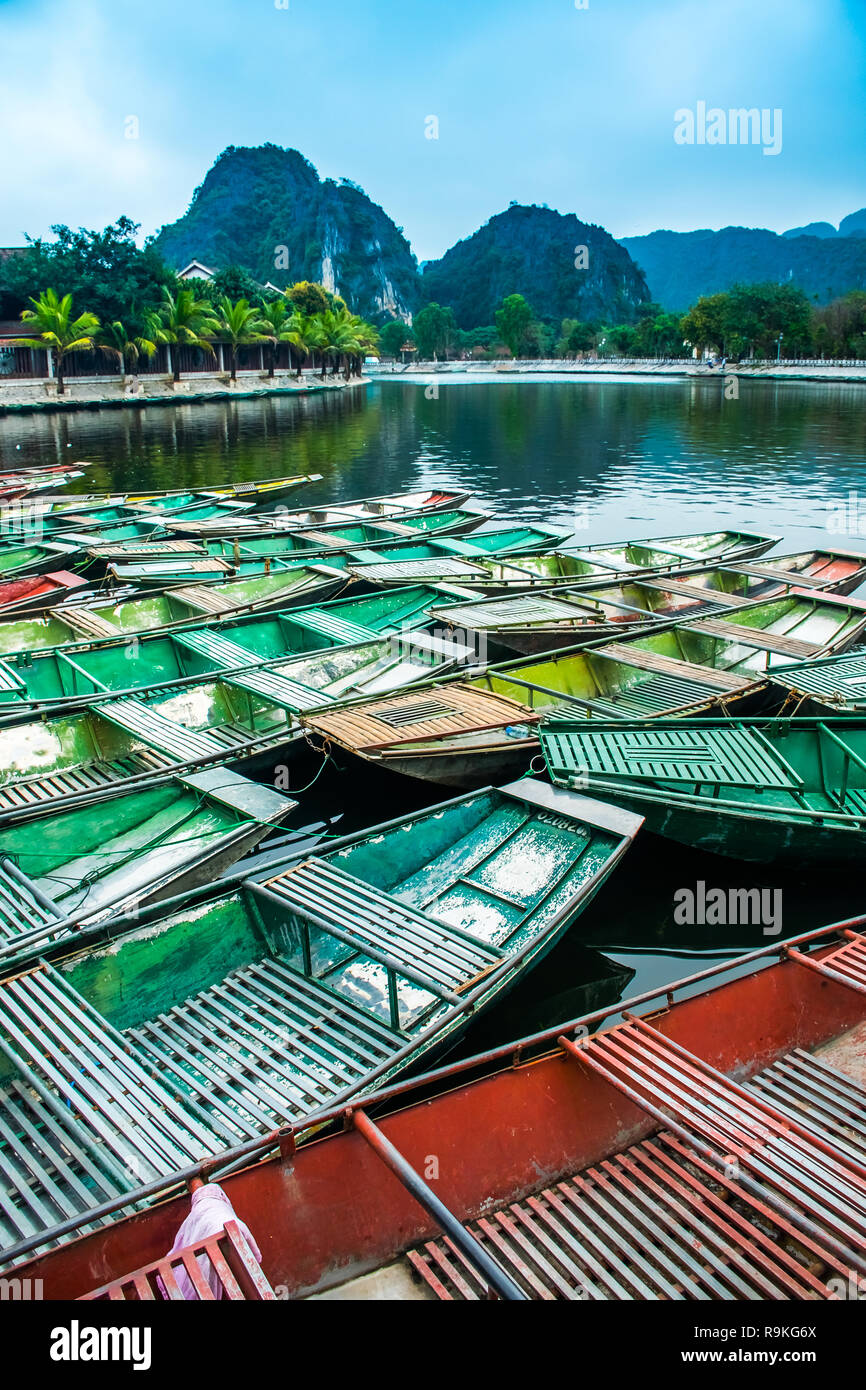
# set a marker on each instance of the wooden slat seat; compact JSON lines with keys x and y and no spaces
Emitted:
{"x":153,"y":729}
{"x":333,"y":626}
{"x":279,"y":689}
{"x":642,"y":660}
{"x":698,"y":592}
{"x":200,"y":597}
{"x":214,"y":647}
{"x":408,"y":571}
{"x":782,"y":575}
{"x":440,"y":957}
{"x":755,"y":637}
{"x":84,"y":623}
{"x":89,"y":777}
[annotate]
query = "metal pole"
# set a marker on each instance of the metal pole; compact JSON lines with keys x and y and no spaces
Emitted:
{"x":468,"y":1246}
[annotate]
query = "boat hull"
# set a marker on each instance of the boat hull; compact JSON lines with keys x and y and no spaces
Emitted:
{"x":328,"y":1212}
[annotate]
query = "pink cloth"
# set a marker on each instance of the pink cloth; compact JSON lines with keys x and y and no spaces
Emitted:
{"x":210,"y":1209}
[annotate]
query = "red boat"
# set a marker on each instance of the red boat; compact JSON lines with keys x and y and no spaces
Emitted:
{"x":712,"y":1145}
{"x":38,"y":591}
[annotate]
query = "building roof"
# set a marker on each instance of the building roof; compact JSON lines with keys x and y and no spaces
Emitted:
{"x":196,"y":270}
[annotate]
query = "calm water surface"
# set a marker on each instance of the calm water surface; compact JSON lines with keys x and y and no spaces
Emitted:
{"x":611,"y":457}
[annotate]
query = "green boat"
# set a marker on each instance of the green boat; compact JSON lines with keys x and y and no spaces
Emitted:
{"x":371,"y":625}
{"x":73,"y":867}
{"x":195,"y":570}
{"x":226,"y":1015}
{"x":456,"y":522}
{"x":249,"y":720}
{"x":834,"y":683}
{"x":567,"y":568}
{"x":373,"y":543}
{"x":546,"y":619}
{"x":762,"y":790}
{"x":38,"y":520}
{"x":468,"y":731}
{"x":19,"y":560}
{"x":837,"y":571}
{"x":113,"y":615}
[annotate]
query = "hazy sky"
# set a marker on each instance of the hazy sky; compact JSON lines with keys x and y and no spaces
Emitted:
{"x":537,"y":101}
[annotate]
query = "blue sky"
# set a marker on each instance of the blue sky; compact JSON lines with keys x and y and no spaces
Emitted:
{"x":537,"y":101}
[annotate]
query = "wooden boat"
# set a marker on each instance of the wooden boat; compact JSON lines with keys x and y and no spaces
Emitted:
{"x":32,"y":482}
{"x":161,"y":559}
{"x":263,"y":494}
{"x":573,"y":568}
{"x":247,"y":719}
{"x":839,"y":571}
{"x":113,"y":614}
{"x":385,"y":648}
{"x":453,"y":522}
{"x":194,"y":570}
{"x":38,"y":558}
{"x":591,"y":1161}
{"x":466,"y":731}
{"x":40,"y":519}
{"x":380,"y":542}
{"x":73,"y":867}
{"x":207,"y":1023}
{"x":37,"y":592}
{"x":836,"y":683}
{"x":394,"y":506}
{"x":544,"y":620}
{"x":759,"y":790}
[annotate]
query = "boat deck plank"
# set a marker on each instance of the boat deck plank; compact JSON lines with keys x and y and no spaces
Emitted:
{"x":643,"y":660}
{"x":657,"y":1221}
{"x":418,"y":715}
{"x":755,"y":637}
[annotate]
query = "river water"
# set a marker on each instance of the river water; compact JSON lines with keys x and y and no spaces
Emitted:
{"x":610,"y":457}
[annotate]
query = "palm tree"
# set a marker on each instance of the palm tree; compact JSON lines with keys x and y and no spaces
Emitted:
{"x":305,"y":335}
{"x":183,"y":320}
{"x":277,"y":319}
{"x":236,"y":324}
{"x":58,"y":333}
{"x":120,"y":343}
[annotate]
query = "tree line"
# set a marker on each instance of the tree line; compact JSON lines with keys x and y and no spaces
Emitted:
{"x":135,"y":305}
{"x":761,"y":320}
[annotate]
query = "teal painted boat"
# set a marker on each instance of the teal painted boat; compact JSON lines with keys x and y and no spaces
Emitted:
{"x":73,"y":867}
{"x":39,"y":520}
{"x":249,"y":720}
{"x":229,"y":1014}
{"x":466,"y":732}
{"x":373,"y":543}
{"x":379,"y":630}
{"x":760,"y":790}
{"x":169,"y":572}
{"x":106,"y":615}
{"x":567,"y":568}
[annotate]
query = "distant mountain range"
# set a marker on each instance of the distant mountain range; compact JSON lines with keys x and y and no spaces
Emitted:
{"x":823,"y":261}
{"x":267,"y":209}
